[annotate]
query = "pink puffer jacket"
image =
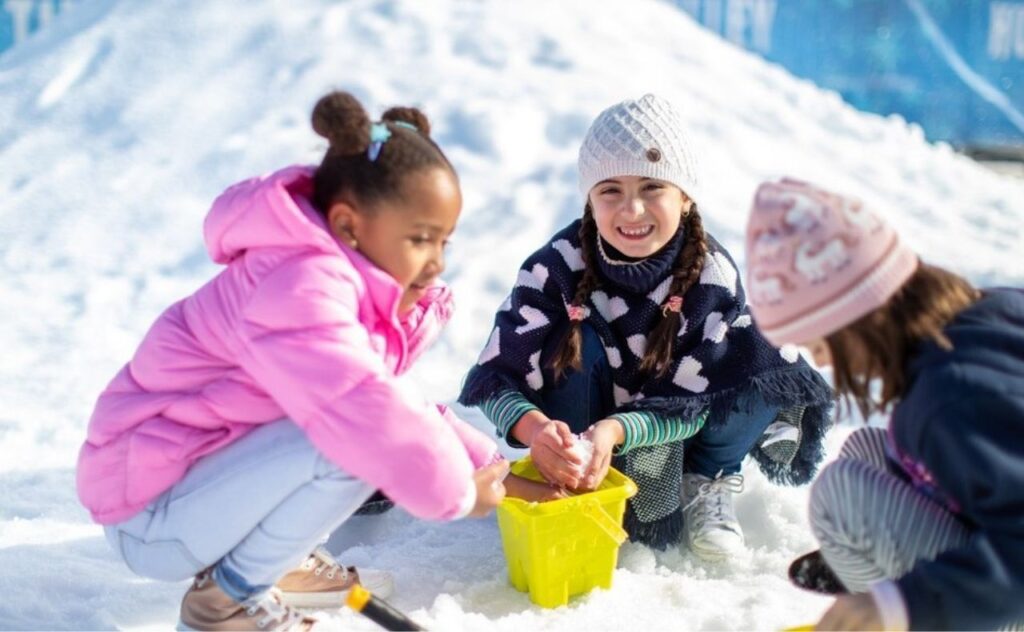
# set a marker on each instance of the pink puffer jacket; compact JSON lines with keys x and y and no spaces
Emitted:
{"x":299,"y":326}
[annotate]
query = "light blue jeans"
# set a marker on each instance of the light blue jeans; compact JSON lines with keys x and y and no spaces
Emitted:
{"x":253,"y":511}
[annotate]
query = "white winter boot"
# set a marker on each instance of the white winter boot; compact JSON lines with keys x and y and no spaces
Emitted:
{"x":712,"y":531}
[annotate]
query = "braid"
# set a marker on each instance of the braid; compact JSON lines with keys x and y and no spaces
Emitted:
{"x":685,"y":274}
{"x":694,"y":250}
{"x":570,"y":349}
{"x":588,"y":241}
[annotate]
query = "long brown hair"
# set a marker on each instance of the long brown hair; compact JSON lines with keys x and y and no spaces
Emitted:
{"x":879,"y":344}
{"x":685,"y":273}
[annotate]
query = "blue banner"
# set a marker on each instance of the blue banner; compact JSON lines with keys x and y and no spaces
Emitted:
{"x":955,"y":67}
{"x":20,"y":18}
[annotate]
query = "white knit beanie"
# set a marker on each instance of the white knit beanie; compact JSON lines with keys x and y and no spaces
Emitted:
{"x":643,"y":137}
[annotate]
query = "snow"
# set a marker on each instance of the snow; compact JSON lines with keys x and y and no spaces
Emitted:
{"x":122,"y":121}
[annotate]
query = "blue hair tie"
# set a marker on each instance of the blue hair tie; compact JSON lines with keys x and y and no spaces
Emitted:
{"x":379,"y":134}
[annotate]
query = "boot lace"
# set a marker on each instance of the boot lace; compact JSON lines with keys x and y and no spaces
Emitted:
{"x":714,"y":494}
{"x":321,"y":561}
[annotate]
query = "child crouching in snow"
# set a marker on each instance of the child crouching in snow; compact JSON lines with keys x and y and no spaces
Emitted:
{"x":630,"y":327}
{"x":261,"y":411}
{"x":923,"y":522}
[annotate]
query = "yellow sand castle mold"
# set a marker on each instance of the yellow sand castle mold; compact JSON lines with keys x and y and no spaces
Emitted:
{"x":562,"y":548}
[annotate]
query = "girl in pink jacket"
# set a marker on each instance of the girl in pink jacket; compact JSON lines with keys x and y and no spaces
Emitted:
{"x":261,"y":411}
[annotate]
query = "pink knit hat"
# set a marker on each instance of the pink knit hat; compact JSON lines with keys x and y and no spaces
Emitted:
{"x":817,"y":261}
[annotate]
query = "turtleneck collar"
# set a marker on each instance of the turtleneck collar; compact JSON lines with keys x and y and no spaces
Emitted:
{"x":638,"y":275}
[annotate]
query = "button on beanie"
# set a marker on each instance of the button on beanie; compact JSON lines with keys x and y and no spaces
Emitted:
{"x":818,"y":261}
{"x":643,"y":137}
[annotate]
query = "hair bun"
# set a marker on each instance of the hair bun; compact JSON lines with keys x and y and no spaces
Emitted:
{"x":341,"y":119}
{"x":412,"y":116}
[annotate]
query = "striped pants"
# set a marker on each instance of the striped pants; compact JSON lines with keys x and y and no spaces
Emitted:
{"x":871,"y":523}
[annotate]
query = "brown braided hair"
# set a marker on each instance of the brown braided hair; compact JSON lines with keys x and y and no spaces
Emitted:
{"x":571,"y":347}
{"x":347,"y":172}
{"x":685,"y":274}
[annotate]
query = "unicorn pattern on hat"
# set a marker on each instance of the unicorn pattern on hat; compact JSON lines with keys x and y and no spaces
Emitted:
{"x":815,"y":261}
{"x":768,"y":290}
{"x":859,"y":217}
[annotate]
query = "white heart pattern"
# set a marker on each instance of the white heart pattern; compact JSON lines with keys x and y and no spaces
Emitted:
{"x":535,"y":319}
{"x":789,"y":353}
{"x":742,"y":321}
{"x":535,"y":277}
{"x":718,"y":271}
{"x":610,"y":309}
{"x":493,"y":348}
{"x":637,"y":344}
{"x":659,"y":293}
{"x":506,"y":304}
{"x":614,"y":357}
{"x":535,"y":379}
{"x":573,"y":256}
{"x":688,"y":375}
{"x":621,"y":395}
{"x":714,"y":328}
{"x":684,"y":326}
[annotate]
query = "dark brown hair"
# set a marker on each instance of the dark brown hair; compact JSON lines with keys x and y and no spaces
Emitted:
{"x":347,"y":171}
{"x":685,"y":273}
{"x":880,"y":343}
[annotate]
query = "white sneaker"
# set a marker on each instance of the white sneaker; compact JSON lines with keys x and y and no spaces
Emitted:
{"x":321,"y":582}
{"x":712,"y":531}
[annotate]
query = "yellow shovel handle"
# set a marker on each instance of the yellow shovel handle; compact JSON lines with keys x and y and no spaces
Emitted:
{"x":613,"y":529}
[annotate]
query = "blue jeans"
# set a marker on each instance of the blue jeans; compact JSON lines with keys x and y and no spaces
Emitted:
{"x":582,"y":397}
{"x":254,"y":510}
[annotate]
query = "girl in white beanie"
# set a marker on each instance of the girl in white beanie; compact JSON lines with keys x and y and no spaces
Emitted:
{"x":630,"y":328}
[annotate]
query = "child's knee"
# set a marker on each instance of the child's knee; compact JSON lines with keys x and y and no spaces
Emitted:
{"x":841,"y":502}
{"x":863,"y":444}
{"x":828,"y":502}
{"x":166,"y":560}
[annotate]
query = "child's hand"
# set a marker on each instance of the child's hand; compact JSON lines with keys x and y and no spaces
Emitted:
{"x":605,"y":435}
{"x":852,"y":612}
{"x":549,"y":449}
{"x":519,"y":487}
{"x":490,"y":488}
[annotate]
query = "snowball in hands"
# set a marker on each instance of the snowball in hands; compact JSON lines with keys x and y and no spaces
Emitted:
{"x":583,"y":448}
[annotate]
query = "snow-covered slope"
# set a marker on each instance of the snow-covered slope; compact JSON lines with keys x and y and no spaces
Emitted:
{"x":120,"y":123}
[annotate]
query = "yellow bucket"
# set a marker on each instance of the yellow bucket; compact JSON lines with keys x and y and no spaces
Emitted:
{"x":562,"y":548}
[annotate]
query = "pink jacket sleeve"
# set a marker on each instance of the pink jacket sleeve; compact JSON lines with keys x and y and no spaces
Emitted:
{"x":302,"y":342}
{"x":481,"y":448}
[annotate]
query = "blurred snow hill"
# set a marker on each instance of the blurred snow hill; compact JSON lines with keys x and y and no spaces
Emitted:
{"x":122,"y":121}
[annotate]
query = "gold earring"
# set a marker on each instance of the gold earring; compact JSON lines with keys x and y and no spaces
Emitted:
{"x":352,"y":241}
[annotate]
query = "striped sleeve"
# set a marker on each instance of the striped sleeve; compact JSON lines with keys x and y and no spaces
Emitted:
{"x":646,"y":427}
{"x":504,"y":410}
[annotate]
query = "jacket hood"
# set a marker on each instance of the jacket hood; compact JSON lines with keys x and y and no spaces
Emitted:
{"x":269,"y":211}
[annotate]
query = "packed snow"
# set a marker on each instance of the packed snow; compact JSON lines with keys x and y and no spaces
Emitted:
{"x":121,"y":122}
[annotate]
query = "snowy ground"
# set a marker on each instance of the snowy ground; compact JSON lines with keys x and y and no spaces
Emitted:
{"x":120,"y":123}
